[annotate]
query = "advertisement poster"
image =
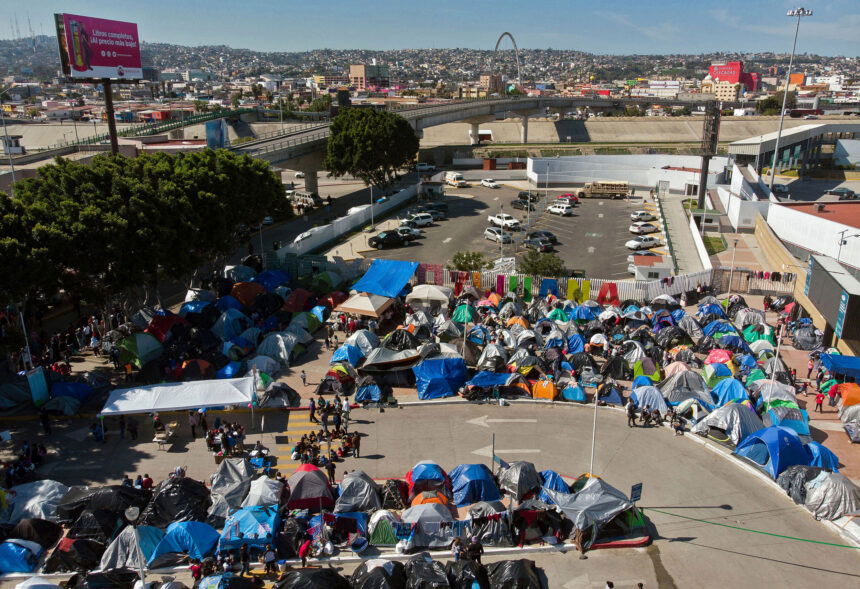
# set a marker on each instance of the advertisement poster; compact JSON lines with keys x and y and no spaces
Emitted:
{"x":98,"y":48}
{"x":216,"y":133}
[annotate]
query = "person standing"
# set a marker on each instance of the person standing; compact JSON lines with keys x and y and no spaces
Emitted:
{"x":312,"y":411}
{"x":329,"y":467}
{"x":474,"y":550}
{"x":245,"y":560}
{"x":819,"y":402}
{"x":304,"y":378}
{"x":193,"y":421}
{"x":305,"y":551}
{"x":356,"y":444}
{"x":456,"y":549}
{"x":269,"y":559}
{"x":631,"y":413}
{"x":45,"y":420}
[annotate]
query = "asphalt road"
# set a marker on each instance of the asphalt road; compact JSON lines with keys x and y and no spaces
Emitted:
{"x":813,"y":190}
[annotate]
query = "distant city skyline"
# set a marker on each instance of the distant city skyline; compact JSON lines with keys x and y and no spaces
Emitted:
{"x":665,"y":27}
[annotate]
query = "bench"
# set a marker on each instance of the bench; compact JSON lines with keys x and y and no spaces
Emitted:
{"x":162,"y":438}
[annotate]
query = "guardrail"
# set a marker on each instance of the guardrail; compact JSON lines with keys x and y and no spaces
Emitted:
{"x":304,"y":128}
{"x":301,"y":140}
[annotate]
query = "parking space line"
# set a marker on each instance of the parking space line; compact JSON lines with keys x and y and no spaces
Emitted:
{"x":446,"y":240}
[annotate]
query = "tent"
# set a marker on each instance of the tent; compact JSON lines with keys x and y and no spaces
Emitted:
{"x":386,"y":277}
{"x":41,"y":531}
{"x":367,"y":305}
{"x":733,"y":422}
{"x":364,"y":340}
{"x":312,"y":579}
{"x":472,"y":483}
{"x":256,"y":526}
{"x":520,"y":479}
{"x":428,"y":532}
{"x":123,"y":551}
{"x":74,"y":555}
{"x":309,"y":489}
{"x":649,"y":397}
{"x":231,"y":323}
{"x":593,"y":506}
{"x":348,"y":353}
{"x":197,"y":539}
{"x":140,"y":349}
{"x":685,"y":385}
{"x":381,"y":527}
{"x":646,"y":366}
{"x":714,"y":373}
{"x":271,"y":279}
{"x":729,"y":390}
{"x":822,"y":456}
{"x":490,"y":528}
{"x":439,"y":377}
{"x":264,"y":491}
{"x":161,"y":325}
{"x":426,"y":475}
{"x":178,"y":396}
{"x":465,"y":314}
{"x":19,"y":556}
{"x":279,"y":347}
{"x":38,"y":499}
{"x":175,"y":500}
{"x":790,"y":417}
{"x":773,"y":449}
{"x":357,"y":492}
{"x":230,"y":485}
{"x":831,"y":495}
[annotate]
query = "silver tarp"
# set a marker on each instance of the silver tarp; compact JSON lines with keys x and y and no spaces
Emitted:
{"x":519,"y":479}
{"x":831,"y":495}
{"x":595,"y":504}
{"x":737,"y":420}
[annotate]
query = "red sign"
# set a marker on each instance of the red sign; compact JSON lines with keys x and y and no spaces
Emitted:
{"x":98,"y":48}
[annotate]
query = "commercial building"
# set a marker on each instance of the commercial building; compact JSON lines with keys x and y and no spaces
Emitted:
{"x":723,"y":90}
{"x":365,"y":77}
{"x":492,"y":82}
{"x":325,"y":81}
{"x":733,"y":72}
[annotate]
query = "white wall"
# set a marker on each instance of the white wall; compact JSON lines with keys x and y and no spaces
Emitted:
{"x":741,"y":212}
{"x":814,"y":233}
{"x":847,"y":152}
{"x":638,"y":170}
{"x":700,"y":245}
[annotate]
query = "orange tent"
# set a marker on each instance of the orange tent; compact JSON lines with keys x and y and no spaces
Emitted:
{"x":850,"y":392}
{"x":246,"y":292}
{"x":545,"y":389}
{"x":517,"y":321}
{"x":496,"y":298}
{"x":431,"y":497}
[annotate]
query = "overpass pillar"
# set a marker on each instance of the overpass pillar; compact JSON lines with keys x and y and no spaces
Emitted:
{"x":311,"y":180}
{"x":475,"y":133}
{"x":524,"y":129}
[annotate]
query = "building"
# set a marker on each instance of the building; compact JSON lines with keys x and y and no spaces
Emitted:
{"x":492,"y":82}
{"x":733,"y":72}
{"x":325,"y":81}
{"x":723,"y":90}
{"x":365,"y":77}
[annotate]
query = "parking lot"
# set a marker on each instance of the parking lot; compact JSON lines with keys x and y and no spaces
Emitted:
{"x":808,"y":190}
{"x":592,"y":240}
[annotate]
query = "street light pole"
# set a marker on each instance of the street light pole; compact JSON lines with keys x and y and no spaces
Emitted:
{"x":798,"y":12}
{"x":842,"y":241}
{"x":8,"y":142}
{"x":732,"y":271}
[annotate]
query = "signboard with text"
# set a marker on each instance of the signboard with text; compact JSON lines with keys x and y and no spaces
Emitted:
{"x":92,"y":48}
{"x":841,"y":311}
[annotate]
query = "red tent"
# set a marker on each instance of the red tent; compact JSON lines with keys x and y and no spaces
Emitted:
{"x":309,"y":489}
{"x":297,"y":301}
{"x":160,"y":325}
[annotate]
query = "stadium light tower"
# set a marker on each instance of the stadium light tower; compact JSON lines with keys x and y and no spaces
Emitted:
{"x":796,"y":12}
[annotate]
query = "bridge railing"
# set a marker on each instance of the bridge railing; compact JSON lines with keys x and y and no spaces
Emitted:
{"x":300,"y":140}
{"x":296,"y":128}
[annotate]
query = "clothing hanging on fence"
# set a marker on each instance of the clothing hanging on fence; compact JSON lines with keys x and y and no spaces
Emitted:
{"x":548,"y":286}
{"x":476,"y":280}
{"x":608,"y":294}
{"x":573,"y":292}
{"x":585,"y":290}
{"x":421,"y":274}
{"x":513,"y":283}
{"x":527,"y":289}
{"x":500,"y":284}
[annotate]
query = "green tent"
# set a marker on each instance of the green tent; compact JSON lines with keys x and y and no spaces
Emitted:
{"x":383,"y":533}
{"x":139,"y":349}
{"x":711,"y":375}
{"x":640,"y":367}
{"x":326,"y":282}
{"x":752,"y":334}
{"x":557,"y":315}
{"x":465,"y":314}
{"x":768,"y":405}
{"x":755,"y":375}
{"x":307,"y":321}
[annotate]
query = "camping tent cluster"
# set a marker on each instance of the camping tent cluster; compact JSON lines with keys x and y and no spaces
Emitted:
{"x":842,"y":388}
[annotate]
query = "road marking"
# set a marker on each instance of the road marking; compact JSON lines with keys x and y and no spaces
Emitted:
{"x":497,"y":198}
{"x":591,"y":249}
{"x":488,"y":451}
{"x":600,"y":203}
{"x":483,"y":421}
{"x":446,"y":240}
{"x":594,"y":235}
{"x":599,"y":215}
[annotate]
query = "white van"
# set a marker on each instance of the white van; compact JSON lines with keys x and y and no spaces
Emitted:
{"x":455,"y":179}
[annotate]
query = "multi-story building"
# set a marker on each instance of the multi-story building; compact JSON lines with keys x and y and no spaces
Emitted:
{"x":492,"y":82}
{"x":722,"y":90}
{"x":364,"y":77}
{"x":733,"y":72}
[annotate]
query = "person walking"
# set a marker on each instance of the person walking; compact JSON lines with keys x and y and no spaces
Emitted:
{"x":245,"y":560}
{"x":304,"y":378}
{"x":305,"y":551}
{"x":819,"y":402}
{"x":356,"y":445}
{"x":193,"y":420}
{"x":312,"y":411}
{"x":270,"y":560}
{"x":474,"y":550}
{"x":810,"y":366}
{"x":631,"y":413}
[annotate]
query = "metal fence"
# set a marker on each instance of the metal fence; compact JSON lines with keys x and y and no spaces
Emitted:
{"x":746,"y":281}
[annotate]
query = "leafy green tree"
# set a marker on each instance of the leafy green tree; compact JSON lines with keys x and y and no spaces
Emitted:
{"x":321,"y":104}
{"x":536,"y":263}
{"x":469,"y":262}
{"x":370,"y":144}
{"x":773,"y":104}
{"x":200,"y":106}
{"x":235,"y":101}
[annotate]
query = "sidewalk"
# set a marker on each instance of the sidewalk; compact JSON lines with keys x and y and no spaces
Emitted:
{"x":676,"y":224}
{"x":748,"y":254}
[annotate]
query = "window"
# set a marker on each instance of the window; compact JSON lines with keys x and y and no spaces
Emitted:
{"x":653,"y":275}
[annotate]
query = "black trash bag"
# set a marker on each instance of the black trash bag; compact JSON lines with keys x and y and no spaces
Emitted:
{"x":423,"y":572}
{"x":113,"y":498}
{"x":100,"y":525}
{"x":399,"y":340}
{"x":177,"y":500}
{"x":514,"y":574}
{"x":313,"y":579}
{"x":794,"y":478}
{"x":112,"y":579}
{"x":290,"y":538}
{"x":41,"y":531}
{"x":390,"y":575}
{"x":462,"y":574}
{"x":74,"y":555}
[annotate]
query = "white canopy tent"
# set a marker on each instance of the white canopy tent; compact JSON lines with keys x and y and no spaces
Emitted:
{"x":370,"y":305}
{"x":178,"y":396}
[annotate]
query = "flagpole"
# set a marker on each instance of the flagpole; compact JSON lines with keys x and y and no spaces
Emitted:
{"x":493,"y":455}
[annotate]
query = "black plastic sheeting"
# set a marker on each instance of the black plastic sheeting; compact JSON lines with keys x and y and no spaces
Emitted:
{"x":113,"y":498}
{"x":289,"y":540}
{"x":313,"y":579}
{"x":462,"y":574}
{"x":43,"y":532}
{"x":390,"y":576}
{"x":422,"y":572}
{"x":514,"y":574}
{"x":114,"y":579}
{"x":100,"y":525}
{"x":794,"y":478}
{"x":75,"y":555}
{"x":177,"y":500}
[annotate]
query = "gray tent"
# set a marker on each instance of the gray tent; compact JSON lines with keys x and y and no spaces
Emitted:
{"x":685,"y":385}
{"x":428,"y":531}
{"x":230,"y":485}
{"x":691,"y":327}
{"x":520,"y":479}
{"x":491,"y":532}
{"x":831,"y":495}
{"x":737,"y":420}
{"x":808,"y":338}
{"x":594,"y":505}
{"x":493,"y":358}
{"x":749,"y":316}
{"x":38,"y":499}
{"x":364,"y":340}
{"x":652,"y":398}
{"x":773,"y":391}
{"x":358,"y":492}
{"x":126,"y":550}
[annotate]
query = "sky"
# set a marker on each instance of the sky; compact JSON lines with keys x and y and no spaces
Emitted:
{"x":619,"y":27}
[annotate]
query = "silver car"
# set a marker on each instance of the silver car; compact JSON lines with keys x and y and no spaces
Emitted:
{"x":497,"y":235}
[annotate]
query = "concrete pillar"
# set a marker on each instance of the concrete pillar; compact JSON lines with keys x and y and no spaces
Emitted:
{"x":475,"y":133}
{"x":311,"y":181}
{"x":524,"y":129}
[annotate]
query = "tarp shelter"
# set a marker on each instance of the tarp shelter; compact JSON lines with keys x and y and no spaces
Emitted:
{"x":831,"y":495}
{"x":177,"y":499}
{"x":77,"y":390}
{"x":549,"y":479}
{"x":19,"y":556}
{"x":491,"y":528}
{"x":472,"y":483}
{"x":309,"y":489}
{"x":649,"y":397}
{"x":822,"y":456}
{"x":428,"y":531}
{"x":40,"y":531}
{"x":255,"y":526}
{"x":358,"y":492}
{"x":123,"y":551}
{"x":38,"y":499}
{"x":439,"y":377}
{"x":734,"y":422}
{"x":386,"y":277}
{"x":844,"y":365}
{"x":263,"y":491}
{"x":347,"y":353}
{"x":594,"y":505}
{"x":312,"y":579}
{"x":196,"y":539}
{"x":230,"y":485}
{"x":139,"y":349}
{"x":74,"y":555}
{"x":774,"y":449}
{"x":520,"y":479}
{"x":178,"y":396}
{"x":367,"y":305}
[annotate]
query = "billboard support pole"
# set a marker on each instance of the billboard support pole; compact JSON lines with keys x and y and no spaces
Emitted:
{"x":111,"y":118}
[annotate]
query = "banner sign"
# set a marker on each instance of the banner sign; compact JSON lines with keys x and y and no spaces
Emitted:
{"x":98,"y":48}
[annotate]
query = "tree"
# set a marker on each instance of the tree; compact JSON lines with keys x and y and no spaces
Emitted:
{"x":535,"y":263}
{"x":321,"y":104}
{"x":235,"y":101}
{"x":370,"y":144}
{"x":468,"y":262}
{"x":200,"y":106}
{"x":343,"y":99}
{"x":773,"y":104}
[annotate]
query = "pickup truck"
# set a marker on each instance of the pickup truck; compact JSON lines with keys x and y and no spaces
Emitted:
{"x":504,"y":220}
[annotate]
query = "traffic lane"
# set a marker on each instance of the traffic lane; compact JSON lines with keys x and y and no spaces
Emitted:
{"x":812,"y":190}
{"x":679,"y":475}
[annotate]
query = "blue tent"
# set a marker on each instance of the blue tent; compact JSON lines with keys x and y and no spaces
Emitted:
{"x":784,"y":417}
{"x":386,"y":278}
{"x":230,"y":324}
{"x":774,"y":449}
{"x":711,"y":308}
{"x":229,"y":302}
{"x":573,"y":392}
{"x":641,"y":381}
{"x":230,"y":370}
{"x":735,"y":342}
{"x":76,"y":390}
{"x":728,"y":390}
{"x":193,"y":307}
{"x":549,"y":479}
{"x":19,"y":556}
{"x":820,"y":455}
{"x":678,"y":314}
{"x":718,"y":326}
{"x":148,"y":538}
{"x":271,"y":279}
{"x":320,"y":312}
{"x":478,"y":334}
{"x":426,"y":470}
{"x":583,"y":313}
{"x":473,"y":483}
{"x":651,"y":397}
{"x":198,"y":539}
{"x":611,"y":396}
{"x":575,"y":344}
{"x":255,"y":526}
{"x":746,"y":361}
{"x":369,"y":393}
{"x":439,"y":377}
{"x":488,"y":379}
{"x":347,"y":353}
{"x":845,"y":365}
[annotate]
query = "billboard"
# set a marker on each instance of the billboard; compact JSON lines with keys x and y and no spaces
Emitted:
{"x":92,"y":48}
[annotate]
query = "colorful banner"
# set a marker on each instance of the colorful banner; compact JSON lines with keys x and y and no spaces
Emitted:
{"x":573,"y":292}
{"x":500,"y":284}
{"x":585,"y":289}
{"x":98,"y":48}
{"x":527,"y":289}
{"x":512,"y":284}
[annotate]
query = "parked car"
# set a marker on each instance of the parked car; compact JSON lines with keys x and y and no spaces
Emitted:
{"x":810,"y":117}
{"x":642,"y":242}
{"x":542,"y":233}
{"x":436,"y":205}
{"x":437,"y":214}
{"x":528,"y":195}
{"x":386,"y":239}
{"x":522,"y":205}
{"x":643,"y":228}
{"x":497,"y":235}
{"x":564,"y":210}
{"x":564,"y":201}
{"x":504,"y":220}
{"x":299,"y":175}
{"x":780,"y":188}
{"x":490,"y":183}
{"x":642,"y":216}
{"x":408,"y":223}
{"x":841,"y":191}
{"x":569,"y":197}
{"x":423,"y":167}
{"x":408,"y":233}
{"x":539,"y":244}
{"x":422,"y":219}
{"x":267,"y":220}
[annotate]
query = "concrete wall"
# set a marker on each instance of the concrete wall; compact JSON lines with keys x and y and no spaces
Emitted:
{"x":638,"y":170}
{"x":814,"y":234}
{"x":700,"y":245}
{"x":741,"y":212}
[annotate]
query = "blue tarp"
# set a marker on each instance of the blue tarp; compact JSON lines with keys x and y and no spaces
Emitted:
{"x":718,"y":326}
{"x":711,"y":308}
{"x":489,"y":379}
{"x":649,"y":396}
{"x":255,"y":526}
{"x":728,"y":390}
{"x":478,"y":334}
{"x":734,"y":341}
{"x":368,"y":393}
{"x":193,"y":307}
{"x":473,"y":483}
{"x":197,"y":539}
{"x":148,"y":538}
{"x":15,"y":558}
{"x":76,"y":390}
{"x":320,"y":312}
{"x":641,"y":381}
{"x":575,"y":344}
{"x":845,"y":365}
{"x":271,"y":279}
{"x":229,"y":302}
{"x":230,"y":370}
{"x":549,"y":479}
{"x":583,"y":313}
{"x":573,"y":393}
{"x":822,"y":456}
{"x":386,"y":278}
{"x":439,"y":377}
{"x":678,"y":314}
{"x":347,"y":353}
{"x":774,"y":449}
{"x":746,"y":361}
{"x":612,"y":396}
